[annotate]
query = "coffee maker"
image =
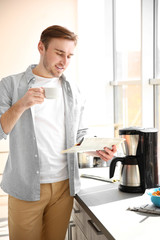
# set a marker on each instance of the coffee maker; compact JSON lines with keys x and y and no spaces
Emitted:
{"x":139,"y":166}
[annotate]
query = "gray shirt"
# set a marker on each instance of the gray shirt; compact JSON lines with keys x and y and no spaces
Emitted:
{"x":21,"y":177}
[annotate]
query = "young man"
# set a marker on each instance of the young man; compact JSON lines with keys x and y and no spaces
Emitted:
{"x":39,"y":180}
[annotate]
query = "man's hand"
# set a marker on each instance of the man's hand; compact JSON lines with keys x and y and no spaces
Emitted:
{"x":33,"y":96}
{"x":107,"y":154}
{"x":10,"y":117}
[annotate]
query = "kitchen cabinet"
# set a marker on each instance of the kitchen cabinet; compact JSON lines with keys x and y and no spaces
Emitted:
{"x":109,"y":209}
{"x":82,"y":227}
{"x":74,"y":232}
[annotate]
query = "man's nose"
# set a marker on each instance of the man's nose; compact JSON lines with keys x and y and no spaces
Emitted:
{"x":65,"y":60}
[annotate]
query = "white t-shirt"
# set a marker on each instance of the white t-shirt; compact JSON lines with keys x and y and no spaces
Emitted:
{"x":49,"y":122}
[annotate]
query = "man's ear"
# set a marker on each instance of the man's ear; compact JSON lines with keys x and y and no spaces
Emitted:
{"x":41,"y":47}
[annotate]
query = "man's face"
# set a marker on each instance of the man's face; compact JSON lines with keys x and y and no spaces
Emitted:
{"x":57,"y":57}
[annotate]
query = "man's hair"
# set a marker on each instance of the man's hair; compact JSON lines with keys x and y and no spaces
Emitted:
{"x":56,"y":31}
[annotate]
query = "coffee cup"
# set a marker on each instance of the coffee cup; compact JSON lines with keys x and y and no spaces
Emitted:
{"x":51,"y":93}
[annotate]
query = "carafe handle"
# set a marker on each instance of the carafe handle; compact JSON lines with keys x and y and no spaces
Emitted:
{"x":113,"y":165}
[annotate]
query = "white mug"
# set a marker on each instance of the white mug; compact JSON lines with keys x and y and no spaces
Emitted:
{"x":51,"y":93}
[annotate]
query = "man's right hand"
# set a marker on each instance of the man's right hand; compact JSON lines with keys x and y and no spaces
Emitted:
{"x":33,"y":96}
{"x":10,"y":117}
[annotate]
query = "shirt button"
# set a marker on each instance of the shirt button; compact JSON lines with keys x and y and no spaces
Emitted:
{"x":36,"y":155}
{"x":37,"y":172}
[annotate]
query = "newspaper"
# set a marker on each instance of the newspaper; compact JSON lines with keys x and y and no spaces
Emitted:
{"x":144,"y":204}
{"x":93,"y":144}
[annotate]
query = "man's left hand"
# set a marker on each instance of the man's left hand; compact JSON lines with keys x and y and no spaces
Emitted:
{"x":106,"y":154}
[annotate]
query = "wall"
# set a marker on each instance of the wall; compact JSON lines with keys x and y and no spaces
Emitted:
{"x":21,"y":23}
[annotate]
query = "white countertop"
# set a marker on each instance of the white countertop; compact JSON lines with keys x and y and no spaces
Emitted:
{"x":108,"y":206}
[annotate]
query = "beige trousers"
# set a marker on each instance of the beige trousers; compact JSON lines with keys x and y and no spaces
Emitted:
{"x":46,"y":219}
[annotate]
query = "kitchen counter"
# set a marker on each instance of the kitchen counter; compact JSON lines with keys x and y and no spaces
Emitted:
{"x":107,"y":206}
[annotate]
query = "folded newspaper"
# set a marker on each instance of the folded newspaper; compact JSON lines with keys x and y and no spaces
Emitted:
{"x":93,"y":144}
{"x":144,"y":204}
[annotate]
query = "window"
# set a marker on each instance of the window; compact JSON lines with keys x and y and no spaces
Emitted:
{"x":95,"y":68}
{"x":157,"y":43}
{"x":156,"y":81}
{"x":156,"y":74}
{"x":127,"y":63}
{"x":121,"y":42}
{"x":116,"y":46}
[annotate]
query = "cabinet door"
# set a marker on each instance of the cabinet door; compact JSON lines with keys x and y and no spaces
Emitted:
{"x":75,"y":233}
{"x":94,"y":232}
{"x":79,"y":234}
{"x":71,"y":233}
{"x":85,"y":223}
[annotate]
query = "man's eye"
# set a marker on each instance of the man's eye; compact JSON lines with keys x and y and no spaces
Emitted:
{"x":70,"y":56}
{"x":60,"y":54}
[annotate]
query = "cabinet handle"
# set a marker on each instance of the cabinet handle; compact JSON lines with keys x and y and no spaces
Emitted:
{"x":94,"y":227}
{"x":76,"y":210}
{"x":71,"y":225}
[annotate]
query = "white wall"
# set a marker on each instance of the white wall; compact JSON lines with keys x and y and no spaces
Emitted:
{"x":21,"y":23}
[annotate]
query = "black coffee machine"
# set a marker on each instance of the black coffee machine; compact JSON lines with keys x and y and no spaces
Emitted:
{"x":139,"y":166}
